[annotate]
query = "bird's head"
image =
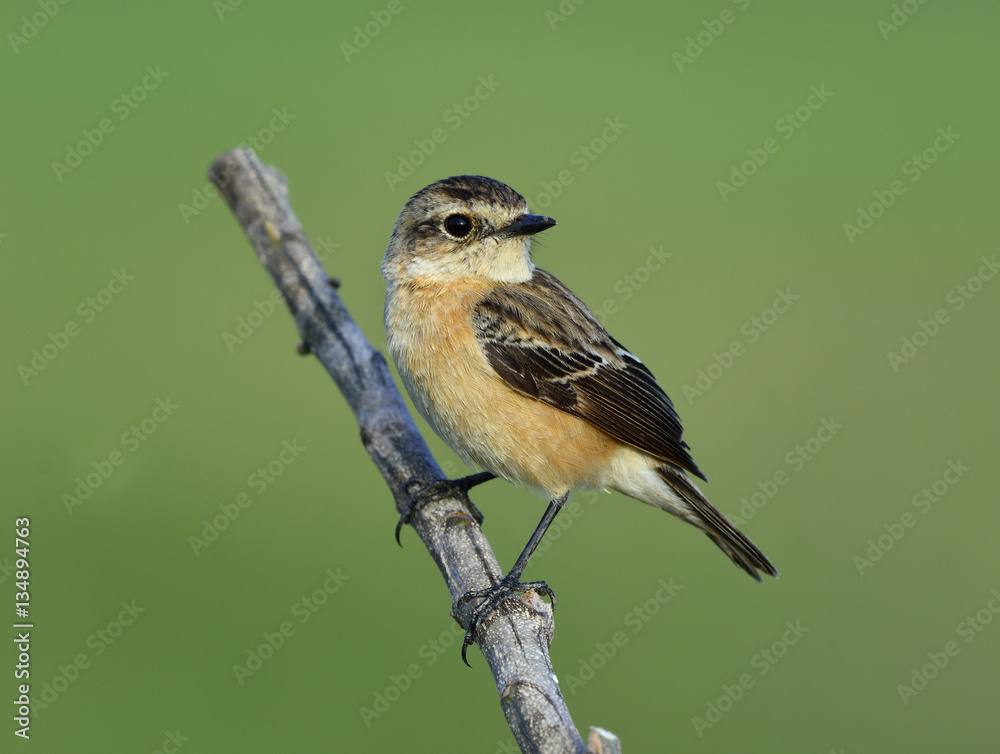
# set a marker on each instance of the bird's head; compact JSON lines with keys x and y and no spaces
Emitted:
{"x":460,"y":229}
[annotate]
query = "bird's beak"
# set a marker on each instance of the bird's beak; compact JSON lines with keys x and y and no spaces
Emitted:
{"x":526,"y":225}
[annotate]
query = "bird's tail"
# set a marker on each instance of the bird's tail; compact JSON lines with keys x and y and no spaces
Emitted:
{"x":705,"y":516}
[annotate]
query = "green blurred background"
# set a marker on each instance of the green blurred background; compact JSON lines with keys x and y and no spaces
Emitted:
{"x":879,"y":579}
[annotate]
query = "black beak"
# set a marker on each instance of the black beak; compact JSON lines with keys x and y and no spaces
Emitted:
{"x":526,"y":225}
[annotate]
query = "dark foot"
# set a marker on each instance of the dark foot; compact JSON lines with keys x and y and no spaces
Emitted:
{"x":492,"y":597}
{"x":441,"y":489}
{"x":303,"y":349}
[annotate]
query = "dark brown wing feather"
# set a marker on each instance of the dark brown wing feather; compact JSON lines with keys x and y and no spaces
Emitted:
{"x":544,"y":342}
{"x":719,"y":529}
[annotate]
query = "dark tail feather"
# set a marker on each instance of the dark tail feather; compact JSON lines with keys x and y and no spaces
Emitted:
{"x":720,"y":530}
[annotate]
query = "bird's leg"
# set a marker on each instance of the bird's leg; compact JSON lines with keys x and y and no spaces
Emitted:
{"x":511,"y":584}
{"x":442,"y":489}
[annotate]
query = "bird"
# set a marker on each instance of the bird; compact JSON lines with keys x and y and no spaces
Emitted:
{"x":514,"y":372}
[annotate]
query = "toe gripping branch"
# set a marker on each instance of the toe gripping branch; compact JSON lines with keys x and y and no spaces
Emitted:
{"x":492,"y":597}
{"x":510,"y":584}
{"x":423,"y":492}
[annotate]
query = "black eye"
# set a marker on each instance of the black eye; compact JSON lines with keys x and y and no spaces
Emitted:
{"x":458,"y":226}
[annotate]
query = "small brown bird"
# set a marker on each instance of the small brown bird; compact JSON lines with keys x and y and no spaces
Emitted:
{"x":517,"y":375}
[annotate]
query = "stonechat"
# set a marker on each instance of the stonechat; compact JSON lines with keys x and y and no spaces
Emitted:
{"x":519,"y":377}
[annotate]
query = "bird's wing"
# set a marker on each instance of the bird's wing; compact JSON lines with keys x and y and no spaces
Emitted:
{"x":544,"y":342}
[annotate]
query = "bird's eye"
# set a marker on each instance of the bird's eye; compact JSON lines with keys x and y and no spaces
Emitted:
{"x":458,"y":226}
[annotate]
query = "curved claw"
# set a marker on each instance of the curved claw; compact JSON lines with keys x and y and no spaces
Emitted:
{"x":494,"y":596}
{"x":465,"y":645}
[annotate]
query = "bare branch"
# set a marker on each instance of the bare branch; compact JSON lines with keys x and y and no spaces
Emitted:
{"x":515,"y":638}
